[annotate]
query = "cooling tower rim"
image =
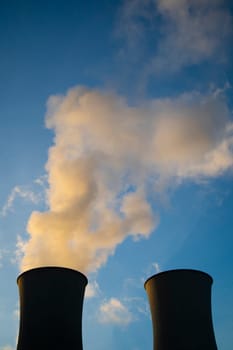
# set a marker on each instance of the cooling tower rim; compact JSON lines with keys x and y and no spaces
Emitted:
{"x":177,"y":271}
{"x":54,"y":268}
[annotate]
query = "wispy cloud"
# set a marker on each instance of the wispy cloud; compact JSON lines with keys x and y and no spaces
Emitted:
{"x":194,"y":31}
{"x":4,"y":253}
{"x":42,"y":181}
{"x":7,"y":347}
{"x":92,"y":289}
{"x":19,"y":192}
{"x":16,"y":312}
{"x":131,"y":21}
{"x":1,"y":256}
{"x":114,"y":311}
{"x":181,"y":32}
{"x":150,"y":270}
{"x":138,"y":306}
{"x":19,"y":251}
{"x":156,"y":267}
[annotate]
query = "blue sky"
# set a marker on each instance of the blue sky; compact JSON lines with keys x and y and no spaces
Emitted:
{"x":129,"y":103}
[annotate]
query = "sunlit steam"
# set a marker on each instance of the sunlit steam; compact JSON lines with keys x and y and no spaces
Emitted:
{"x":105,"y":159}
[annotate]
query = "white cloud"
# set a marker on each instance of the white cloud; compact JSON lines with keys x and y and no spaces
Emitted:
{"x":182,"y":32}
{"x":92,"y":290}
{"x":103,"y":163}
{"x":19,"y":192}
{"x":114,"y":312}
{"x":42,"y":181}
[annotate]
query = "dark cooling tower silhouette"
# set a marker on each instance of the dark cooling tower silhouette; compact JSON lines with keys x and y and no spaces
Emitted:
{"x":51,"y":303}
{"x":180,"y":303}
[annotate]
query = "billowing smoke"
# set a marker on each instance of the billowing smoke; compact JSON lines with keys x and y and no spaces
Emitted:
{"x":106,"y":159}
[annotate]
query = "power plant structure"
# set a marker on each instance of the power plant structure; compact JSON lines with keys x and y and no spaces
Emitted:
{"x":51,"y":306}
{"x":180,"y":303}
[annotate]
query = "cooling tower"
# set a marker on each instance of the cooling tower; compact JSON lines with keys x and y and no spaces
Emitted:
{"x":180,"y":303}
{"x":51,"y":303}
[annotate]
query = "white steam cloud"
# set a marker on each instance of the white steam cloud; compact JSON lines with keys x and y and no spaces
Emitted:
{"x":101,"y":168}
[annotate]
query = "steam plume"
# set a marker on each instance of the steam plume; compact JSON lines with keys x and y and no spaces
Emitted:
{"x":104,"y":156}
